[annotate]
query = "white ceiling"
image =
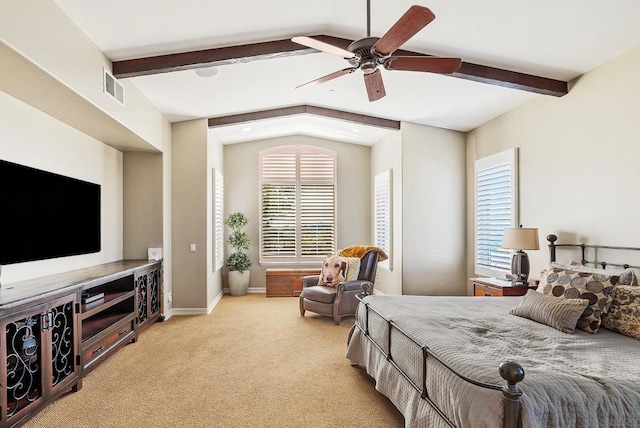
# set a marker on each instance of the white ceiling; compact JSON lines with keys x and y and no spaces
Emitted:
{"x":549,"y":38}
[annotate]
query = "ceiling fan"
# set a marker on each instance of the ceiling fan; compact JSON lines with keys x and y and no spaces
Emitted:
{"x":369,"y":53}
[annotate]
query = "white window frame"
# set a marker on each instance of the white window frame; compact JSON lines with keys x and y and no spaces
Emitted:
{"x":300,"y":179}
{"x":218,"y":220}
{"x":497,"y":261}
{"x":383,"y":215}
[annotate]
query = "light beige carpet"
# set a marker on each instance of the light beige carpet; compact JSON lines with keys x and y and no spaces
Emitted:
{"x":254,"y":362}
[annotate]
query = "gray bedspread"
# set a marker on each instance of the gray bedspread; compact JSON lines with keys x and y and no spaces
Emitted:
{"x":571,"y":380}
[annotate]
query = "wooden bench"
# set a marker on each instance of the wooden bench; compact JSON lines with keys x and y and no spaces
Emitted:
{"x":287,"y":282}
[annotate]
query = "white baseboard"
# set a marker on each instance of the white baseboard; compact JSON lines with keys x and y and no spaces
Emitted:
{"x":195,"y":311}
{"x":251,"y":290}
{"x":207,"y":311}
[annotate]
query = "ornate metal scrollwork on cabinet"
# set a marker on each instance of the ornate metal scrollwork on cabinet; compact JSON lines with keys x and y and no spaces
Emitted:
{"x":149,"y":295}
{"x":62,"y":329}
{"x":142,"y":289}
{"x":24,"y":362}
{"x":154,"y":291}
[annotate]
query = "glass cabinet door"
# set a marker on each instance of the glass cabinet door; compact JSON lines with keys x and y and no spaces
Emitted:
{"x":62,"y":327}
{"x":23,"y":339}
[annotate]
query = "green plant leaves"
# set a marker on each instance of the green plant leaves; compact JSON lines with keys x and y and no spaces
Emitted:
{"x":238,"y":261}
{"x":239,"y":241}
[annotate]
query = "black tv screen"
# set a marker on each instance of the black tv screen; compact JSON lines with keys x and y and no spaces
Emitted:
{"x":45,"y":215}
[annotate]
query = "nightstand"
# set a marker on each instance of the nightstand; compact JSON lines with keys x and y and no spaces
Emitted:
{"x":496,"y":287}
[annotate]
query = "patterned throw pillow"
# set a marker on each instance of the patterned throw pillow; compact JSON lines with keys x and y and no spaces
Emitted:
{"x":624,"y":314}
{"x":594,"y":287}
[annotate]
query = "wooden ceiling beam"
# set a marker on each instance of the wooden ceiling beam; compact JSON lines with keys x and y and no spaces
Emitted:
{"x":302,"y":109}
{"x":278,"y":48}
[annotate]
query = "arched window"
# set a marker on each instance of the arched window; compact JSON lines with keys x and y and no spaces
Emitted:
{"x":297,"y":204}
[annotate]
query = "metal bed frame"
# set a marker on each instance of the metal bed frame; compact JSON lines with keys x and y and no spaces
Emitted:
{"x":510,"y":371}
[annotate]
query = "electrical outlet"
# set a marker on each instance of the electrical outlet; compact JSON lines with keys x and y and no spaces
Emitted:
{"x":192,"y":248}
{"x":169,"y":297}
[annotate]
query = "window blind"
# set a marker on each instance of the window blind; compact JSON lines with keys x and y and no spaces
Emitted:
{"x":298,"y":203}
{"x":382,"y":214}
{"x":218,"y":220}
{"x":495,"y":210}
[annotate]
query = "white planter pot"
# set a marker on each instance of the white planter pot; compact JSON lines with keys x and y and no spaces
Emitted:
{"x":239,"y":282}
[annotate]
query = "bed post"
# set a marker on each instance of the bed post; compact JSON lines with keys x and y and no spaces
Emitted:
{"x":552,"y":247}
{"x":366,"y":288}
{"x":513,"y":373}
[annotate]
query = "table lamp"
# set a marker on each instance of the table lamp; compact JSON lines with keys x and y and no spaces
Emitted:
{"x":520,"y":238}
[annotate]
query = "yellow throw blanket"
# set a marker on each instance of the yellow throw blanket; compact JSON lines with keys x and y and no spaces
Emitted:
{"x":361,"y":250}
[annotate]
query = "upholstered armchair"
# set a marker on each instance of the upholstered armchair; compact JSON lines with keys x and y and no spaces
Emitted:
{"x":340,"y":301}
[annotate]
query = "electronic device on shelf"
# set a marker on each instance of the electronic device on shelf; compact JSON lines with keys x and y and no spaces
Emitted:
{"x":88,"y":297}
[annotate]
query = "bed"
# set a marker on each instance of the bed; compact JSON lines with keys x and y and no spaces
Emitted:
{"x":461,"y":362}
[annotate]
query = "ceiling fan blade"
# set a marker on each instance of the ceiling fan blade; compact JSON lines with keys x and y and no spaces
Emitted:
{"x":413,"y":20}
{"x":423,"y":63}
{"x":375,"y":86}
{"x":322,"y":46}
{"x":327,"y":78}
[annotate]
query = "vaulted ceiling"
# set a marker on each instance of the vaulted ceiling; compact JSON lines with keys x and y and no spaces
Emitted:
{"x":512,"y":53}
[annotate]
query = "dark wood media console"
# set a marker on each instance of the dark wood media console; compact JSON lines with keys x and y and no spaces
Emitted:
{"x":57,"y":328}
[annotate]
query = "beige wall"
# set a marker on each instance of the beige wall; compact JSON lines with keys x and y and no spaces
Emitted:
{"x":433,"y":211}
{"x":142,"y":175}
{"x":189,"y":213}
{"x":387,"y":154}
{"x":43,"y":33}
{"x":354,"y":191}
{"x":30,"y":137}
{"x":579,"y":154}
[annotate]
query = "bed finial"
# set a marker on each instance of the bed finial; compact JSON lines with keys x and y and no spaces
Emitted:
{"x":552,"y":247}
{"x":513,"y":373}
{"x":366,"y":288}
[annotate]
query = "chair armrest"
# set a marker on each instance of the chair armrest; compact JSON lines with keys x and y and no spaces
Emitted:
{"x":357,"y":285}
{"x":310,"y":280}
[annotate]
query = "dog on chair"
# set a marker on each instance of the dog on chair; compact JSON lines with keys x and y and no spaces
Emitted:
{"x":334,"y":271}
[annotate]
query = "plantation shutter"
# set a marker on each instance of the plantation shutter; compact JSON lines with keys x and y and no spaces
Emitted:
{"x":382,"y":206}
{"x":495,"y":211}
{"x":279,"y":172}
{"x":298,"y":203}
{"x":218,"y":220}
{"x":317,"y":203}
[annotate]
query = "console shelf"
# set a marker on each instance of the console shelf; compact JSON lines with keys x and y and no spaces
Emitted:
{"x":97,"y":324}
{"x":45,"y":314}
{"x":110,"y":299}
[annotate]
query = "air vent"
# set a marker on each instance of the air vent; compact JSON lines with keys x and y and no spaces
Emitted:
{"x":113,"y":87}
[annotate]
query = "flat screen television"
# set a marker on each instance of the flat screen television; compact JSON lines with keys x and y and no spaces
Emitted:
{"x":45,"y":215}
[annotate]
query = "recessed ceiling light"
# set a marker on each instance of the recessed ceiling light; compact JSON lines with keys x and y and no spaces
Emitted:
{"x":356,"y":130}
{"x":246,"y":129}
{"x":207,"y":71}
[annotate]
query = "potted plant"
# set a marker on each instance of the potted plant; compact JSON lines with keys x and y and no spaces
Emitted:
{"x":238,"y":262}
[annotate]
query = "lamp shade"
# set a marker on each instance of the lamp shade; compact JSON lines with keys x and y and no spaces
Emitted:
{"x":520,"y":238}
